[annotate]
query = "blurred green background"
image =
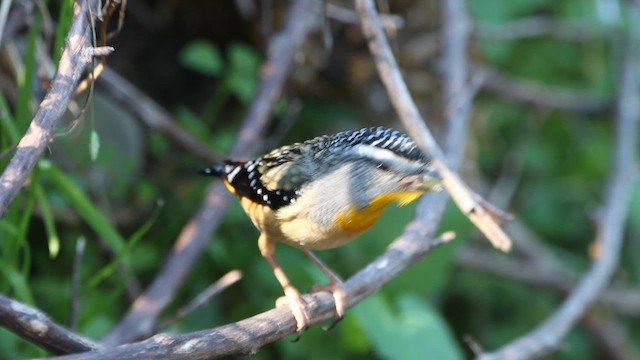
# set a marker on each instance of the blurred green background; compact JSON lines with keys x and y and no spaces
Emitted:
{"x":127,"y":190}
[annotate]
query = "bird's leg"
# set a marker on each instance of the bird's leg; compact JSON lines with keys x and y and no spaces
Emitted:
{"x":296,"y":305}
{"x":335,"y":285}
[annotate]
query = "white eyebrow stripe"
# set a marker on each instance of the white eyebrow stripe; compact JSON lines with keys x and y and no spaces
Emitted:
{"x":388,"y":157}
{"x":233,"y":174}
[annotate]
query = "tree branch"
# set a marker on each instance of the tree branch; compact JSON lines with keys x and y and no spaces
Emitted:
{"x":546,"y":337}
{"x":153,"y":115}
{"x":76,"y":56}
{"x":38,"y":328}
{"x":245,"y":337}
{"x":469,"y":203}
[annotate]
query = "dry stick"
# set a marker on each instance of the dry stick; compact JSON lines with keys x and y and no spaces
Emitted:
{"x":546,"y":337}
{"x":38,"y":328}
{"x":76,"y":56}
{"x":542,"y":95}
{"x":212,"y":290}
{"x":536,"y":26}
{"x":142,"y":316}
{"x":245,"y":337}
{"x":153,"y":115}
{"x":621,"y":299}
{"x":75,"y":283}
{"x":467,"y":201}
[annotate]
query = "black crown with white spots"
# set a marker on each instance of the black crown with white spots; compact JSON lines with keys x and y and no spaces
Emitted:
{"x":244,"y":177}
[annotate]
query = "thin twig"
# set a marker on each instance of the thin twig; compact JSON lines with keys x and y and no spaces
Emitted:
{"x":38,"y":328}
{"x":141,"y":318}
{"x":75,"y":283}
{"x":153,"y":115}
{"x":611,"y":335}
{"x":4,"y":12}
{"x":547,"y":337}
{"x":542,"y":95}
{"x":212,"y":290}
{"x":400,"y":97}
{"x":534,"y":27}
{"x":75,"y":57}
{"x":621,"y":299}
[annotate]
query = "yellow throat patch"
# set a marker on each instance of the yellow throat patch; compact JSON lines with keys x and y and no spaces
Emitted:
{"x":358,"y":220}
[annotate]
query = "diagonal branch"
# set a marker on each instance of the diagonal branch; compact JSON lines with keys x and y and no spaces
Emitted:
{"x":76,"y":56}
{"x":547,"y":337}
{"x":469,"y":203}
{"x":143,"y":314}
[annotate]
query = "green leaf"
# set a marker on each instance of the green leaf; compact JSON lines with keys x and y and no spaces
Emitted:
{"x":242,"y":78}
{"x":94,"y":145}
{"x":415,"y":331}
{"x":82,"y":205}
{"x":49,"y":221}
{"x":108,"y":270}
{"x":202,"y":56}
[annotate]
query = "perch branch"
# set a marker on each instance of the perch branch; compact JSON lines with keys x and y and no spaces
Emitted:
{"x":547,"y":337}
{"x":76,"y":56}
{"x":245,"y":337}
{"x":141,"y":318}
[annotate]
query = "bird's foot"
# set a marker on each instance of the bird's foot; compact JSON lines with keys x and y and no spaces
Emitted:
{"x":336,"y":288}
{"x":294,"y":301}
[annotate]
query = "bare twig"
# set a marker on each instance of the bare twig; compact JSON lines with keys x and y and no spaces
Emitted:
{"x":621,"y":299}
{"x":536,"y":26}
{"x":390,"y":22}
{"x":611,"y":336}
{"x":75,"y":57}
{"x":547,"y":337}
{"x":212,"y":290}
{"x":389,"y":72}
{"x":141,"y":317}
{"x":543,"y":95}
{"x":38,"y":328}
{"x":4,"y":12}
{"x":75,"y":283}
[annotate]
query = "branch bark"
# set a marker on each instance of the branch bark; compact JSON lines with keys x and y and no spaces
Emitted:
{"x":76,"y":56}
{"x":38,"y":328}
{"x":245,"y":337}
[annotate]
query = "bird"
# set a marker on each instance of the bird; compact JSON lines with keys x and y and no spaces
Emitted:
{"x":324,"y":192}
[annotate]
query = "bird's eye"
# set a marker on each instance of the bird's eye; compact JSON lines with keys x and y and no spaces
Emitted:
{"x":382,"y":167}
